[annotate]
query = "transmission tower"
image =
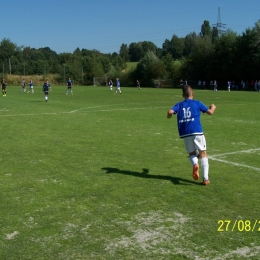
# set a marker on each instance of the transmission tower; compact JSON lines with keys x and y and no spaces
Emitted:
{"x":220,"y":26}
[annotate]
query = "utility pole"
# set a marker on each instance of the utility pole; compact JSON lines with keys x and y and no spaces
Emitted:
{"x":10,"y":66}
{"x":220,"y":26}
{"x":82,"y":76}
{"x":64,"y":74}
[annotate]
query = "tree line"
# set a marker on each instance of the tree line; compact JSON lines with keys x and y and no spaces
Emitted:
{"x":207,"y":55}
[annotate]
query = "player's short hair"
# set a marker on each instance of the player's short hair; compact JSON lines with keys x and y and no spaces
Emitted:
{"x":186,"y":91}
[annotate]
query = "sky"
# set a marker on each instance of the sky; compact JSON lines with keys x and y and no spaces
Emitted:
{"x":104,"y":25}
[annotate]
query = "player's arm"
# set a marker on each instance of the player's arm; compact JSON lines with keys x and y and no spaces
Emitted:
{"x":170,"y":113}
{"x":211,"y":109}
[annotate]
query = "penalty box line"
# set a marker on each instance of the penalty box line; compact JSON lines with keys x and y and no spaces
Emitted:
{"x":214,"y":158}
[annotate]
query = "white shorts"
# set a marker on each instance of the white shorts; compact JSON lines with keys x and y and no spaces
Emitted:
{"x":195,"y":142}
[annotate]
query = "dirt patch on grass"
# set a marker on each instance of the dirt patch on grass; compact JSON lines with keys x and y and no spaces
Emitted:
{"x":151,"y":232}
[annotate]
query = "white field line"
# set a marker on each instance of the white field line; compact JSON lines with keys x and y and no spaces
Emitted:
{"x":233,"y":163}
{"x":242,"y":151}
{"x":85,"y":110}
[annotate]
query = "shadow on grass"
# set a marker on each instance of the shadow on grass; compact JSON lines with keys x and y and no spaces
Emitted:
{"x":144,"y":174}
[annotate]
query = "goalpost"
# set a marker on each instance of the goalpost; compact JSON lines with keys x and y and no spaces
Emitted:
{"x":99,"y":81}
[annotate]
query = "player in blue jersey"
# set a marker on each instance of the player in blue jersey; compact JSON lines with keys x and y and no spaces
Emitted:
{"x":190,"y":129}
{"x":118,"y":86}
{"x":69,"y":87}
{"x":45,"y":88}
{"x":31,"y":87}
{"x":228,"y":85}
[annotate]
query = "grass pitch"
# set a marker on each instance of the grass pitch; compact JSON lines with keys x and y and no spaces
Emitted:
{"x":96,"y":175}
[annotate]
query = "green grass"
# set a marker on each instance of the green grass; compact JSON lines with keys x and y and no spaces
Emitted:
{"x":131,"y":65}
{"x":103,"y":176}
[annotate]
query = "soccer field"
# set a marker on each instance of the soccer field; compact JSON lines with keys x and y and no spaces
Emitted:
{"x":101,"y":176}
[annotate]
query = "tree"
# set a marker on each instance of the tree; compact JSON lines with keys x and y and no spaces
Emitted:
{"x":214,"y":34}
{"x":168,"y":63}
{"x":189,"y":44}
{"x":135,"y":51}
{"x":205,"y":29}
{"x":150,"y":68}
{"x":48,"y":53}
{"x":77,"y":52}
{"x":106,"y":64}
{"x":245,"y":56}
{"x":198,"y":63}
{"x":254,"y":43}
{"x":225,"y":49}
{"x":123,"y":52}
{"x":167,"y":47}
{"x":177,"y":47}
{"x":148,"y":46}
{"x":118,"y":63}
{"x":7,"y":50}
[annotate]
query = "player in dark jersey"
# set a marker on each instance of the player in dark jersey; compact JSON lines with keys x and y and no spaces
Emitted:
{"x":110,"y":83}
{"x":215,"y":86}
{"x":23,"y":89}
{"x":190,"y":129}
{"x":45,"y":88}
{"x":3,"y":83}
{"x":69,"y":87}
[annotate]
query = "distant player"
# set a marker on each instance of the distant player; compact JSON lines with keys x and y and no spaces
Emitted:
{"x":215,"y":86}
{"x":118,"y":87}
{"x":211,"y":84}
{"x":138,"y":84}
{"x":199,"y":83}
{"x":3,"y":83}
{"x":45,"y":88}
{"x":31,"y":87}
{"x":228,"y":85}
{"x":110,"y":83}
{"x":69,"y":87}
{"x":23,"y":89}
{"x":204,"y":84}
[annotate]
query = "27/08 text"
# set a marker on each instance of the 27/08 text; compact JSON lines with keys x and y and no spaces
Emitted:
{"x":238,"y":225}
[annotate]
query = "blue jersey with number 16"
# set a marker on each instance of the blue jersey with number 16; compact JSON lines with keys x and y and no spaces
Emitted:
{"x":188,"y":117}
